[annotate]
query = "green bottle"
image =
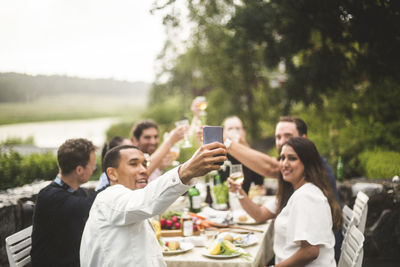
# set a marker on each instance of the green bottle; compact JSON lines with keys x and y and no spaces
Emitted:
{"x":339,"y":169}
{"x":194,"y":199}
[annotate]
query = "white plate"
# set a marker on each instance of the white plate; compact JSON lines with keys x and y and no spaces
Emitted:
{"x":249,"y":221}
{"x":205,"y":253}
{"x":185,"y":246}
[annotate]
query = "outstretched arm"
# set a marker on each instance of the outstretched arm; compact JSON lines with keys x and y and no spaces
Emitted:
{"x":256,"y":161}
{"x":156,"y":159}
{"x":259,"y":214}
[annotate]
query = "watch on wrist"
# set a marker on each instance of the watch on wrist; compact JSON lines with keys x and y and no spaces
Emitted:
{"x":240,"y":196}
{"x":228,"y":143}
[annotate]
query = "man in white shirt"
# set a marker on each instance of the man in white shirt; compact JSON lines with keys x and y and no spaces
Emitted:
{"x":118,"y":232}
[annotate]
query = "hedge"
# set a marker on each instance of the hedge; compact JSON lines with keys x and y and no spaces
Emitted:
{"x":378,"y":164}
{"x":17,"y":170}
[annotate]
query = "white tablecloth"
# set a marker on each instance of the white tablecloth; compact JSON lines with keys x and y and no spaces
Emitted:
{"x":261,"y":253}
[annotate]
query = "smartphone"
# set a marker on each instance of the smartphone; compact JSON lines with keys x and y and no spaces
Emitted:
{"x":213,"y":134}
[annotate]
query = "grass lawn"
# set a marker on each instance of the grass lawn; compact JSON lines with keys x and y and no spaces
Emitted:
{"x":72,"y":106}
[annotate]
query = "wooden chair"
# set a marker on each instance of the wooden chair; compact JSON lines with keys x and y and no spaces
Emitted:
{"x":18,"y":248}
{"x":360,"y":210}
{"x":352,"y":248}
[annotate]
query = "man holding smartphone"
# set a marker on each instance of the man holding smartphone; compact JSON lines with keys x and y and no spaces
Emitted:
{"x":118,"y":232}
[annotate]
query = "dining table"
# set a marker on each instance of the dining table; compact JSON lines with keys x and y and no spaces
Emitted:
{"x":260,"y":253}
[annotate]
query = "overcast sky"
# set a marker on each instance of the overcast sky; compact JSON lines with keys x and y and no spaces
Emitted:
{"x":87,"y":38}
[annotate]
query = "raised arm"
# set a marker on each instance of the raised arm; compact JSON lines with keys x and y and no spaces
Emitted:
{"x":256,"y":161}
{"x":156,"y":159}
{"x":131,"y":206}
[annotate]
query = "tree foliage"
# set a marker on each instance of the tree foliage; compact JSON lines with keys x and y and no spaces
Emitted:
{"x":334,"y":63}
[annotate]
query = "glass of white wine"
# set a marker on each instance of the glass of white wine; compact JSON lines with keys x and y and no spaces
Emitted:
{"x":185,"y":123}
{"x":201,"y":104}
{"x":174,"y":152}
{"x":236,"y":174}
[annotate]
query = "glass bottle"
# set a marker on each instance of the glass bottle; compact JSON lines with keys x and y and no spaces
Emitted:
{"x":194,"y":199}
{"x":209,"y":200}
{"x":186,"y":223}
{"x":339,"y":169}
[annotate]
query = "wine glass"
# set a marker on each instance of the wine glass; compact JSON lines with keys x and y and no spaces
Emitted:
{"x":174,"y":152}
{"x":201,"y":104}
{"x":236,"y":174}
{"x":185,"y":123}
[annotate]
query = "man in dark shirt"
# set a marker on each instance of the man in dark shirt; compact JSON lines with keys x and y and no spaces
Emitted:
{"x":62,"y":207}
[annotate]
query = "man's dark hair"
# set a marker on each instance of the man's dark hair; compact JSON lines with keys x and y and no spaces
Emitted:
{"x":139,"y":127}
{"x":300,"y":124}
{"x":115,"y":141}
{"x":73,"y":153}
{"x":112,"y":157}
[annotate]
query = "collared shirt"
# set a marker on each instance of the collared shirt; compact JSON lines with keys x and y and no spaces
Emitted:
{"x":117,"y":232}
{"x":103,"y":182}
{"x":155,"y":174}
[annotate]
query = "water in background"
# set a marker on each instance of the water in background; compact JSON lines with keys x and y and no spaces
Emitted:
{"x":52,"y":134}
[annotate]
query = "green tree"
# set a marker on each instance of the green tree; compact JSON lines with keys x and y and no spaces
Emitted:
{"x":334,"y":63}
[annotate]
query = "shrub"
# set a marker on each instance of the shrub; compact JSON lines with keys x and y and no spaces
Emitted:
{"x":38,"y":166}
{"x":379,"y":164}
{"x":11,"y":141}
{"x":119,"y":129}
{"x":9,"y":169}
{"x":16,"y":170}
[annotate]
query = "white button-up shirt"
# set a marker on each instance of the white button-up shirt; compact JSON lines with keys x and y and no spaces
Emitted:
{"x":118,"y":233}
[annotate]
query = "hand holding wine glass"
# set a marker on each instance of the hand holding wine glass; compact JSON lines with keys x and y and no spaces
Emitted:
{"x":185,"y":124}
{"x":174,"y":152}
{"x":237,"y":177}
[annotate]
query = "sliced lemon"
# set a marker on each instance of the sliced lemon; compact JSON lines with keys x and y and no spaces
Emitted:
{"x":215,"y":249}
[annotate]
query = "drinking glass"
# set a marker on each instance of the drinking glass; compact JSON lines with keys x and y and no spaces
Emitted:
{"x":174,"y":152}
{"x":186,"y":142}
{"x":202,"y":104}
{"x":236,"y":174}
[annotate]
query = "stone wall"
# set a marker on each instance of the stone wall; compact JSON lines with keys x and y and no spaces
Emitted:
{"x":16,"y":210}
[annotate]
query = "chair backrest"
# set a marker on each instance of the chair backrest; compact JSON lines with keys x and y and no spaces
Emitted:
{"x":360,"y":210}
{"x":352,"y":248}
{"x":18,"y":248}
{"x":348,"y":219}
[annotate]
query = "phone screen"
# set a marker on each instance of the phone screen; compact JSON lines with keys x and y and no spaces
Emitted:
{"x":213,"y":134}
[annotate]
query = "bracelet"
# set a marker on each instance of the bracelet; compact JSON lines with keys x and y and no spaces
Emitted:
{"x":240,"y":196}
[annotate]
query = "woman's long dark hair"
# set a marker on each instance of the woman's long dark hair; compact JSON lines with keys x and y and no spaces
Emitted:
{"x":314,"y":172}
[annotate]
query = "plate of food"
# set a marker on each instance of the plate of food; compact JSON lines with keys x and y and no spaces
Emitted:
{"x":224,"y":250}
{"x":246,"y":219}
{"x":239,"y":240}
{"x":175,"y":247}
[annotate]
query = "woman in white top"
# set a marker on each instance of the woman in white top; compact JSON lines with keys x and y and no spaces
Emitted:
{"x":306,"y":209}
